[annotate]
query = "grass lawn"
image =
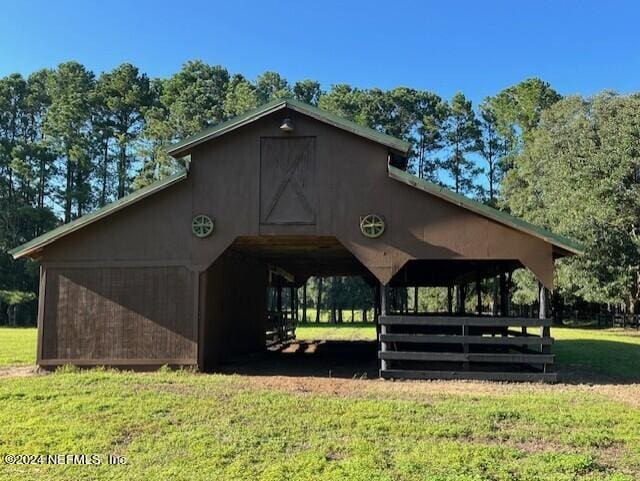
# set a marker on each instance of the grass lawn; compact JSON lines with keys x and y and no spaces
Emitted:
{"x":189,"y":426}
{"x":17,"y":346}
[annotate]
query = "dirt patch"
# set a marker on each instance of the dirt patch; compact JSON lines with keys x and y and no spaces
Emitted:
{"x":18,"y":371}
{"x":425,"y":390}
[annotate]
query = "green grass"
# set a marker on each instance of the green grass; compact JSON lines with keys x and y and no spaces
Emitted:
{"x":195,"y":427}
{"x":189,"y":426}
{"x":345,"y":331}
{"x":17,"y":346}
{"x":613,"y":352}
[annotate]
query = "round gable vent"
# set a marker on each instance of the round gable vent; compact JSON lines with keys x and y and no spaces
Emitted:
{"x":202,"y":226}
{"x":372,"y":226}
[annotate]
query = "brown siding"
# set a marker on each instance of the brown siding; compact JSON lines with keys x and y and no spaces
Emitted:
{"x":343,"y":178}
{"x":119,"y":314}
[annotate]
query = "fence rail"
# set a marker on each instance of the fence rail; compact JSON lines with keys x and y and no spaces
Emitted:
{"x":465,"y":347}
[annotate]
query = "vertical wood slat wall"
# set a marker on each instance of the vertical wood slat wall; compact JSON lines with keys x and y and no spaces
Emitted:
{"x":450,"y":347}
{"x":116,"y":315}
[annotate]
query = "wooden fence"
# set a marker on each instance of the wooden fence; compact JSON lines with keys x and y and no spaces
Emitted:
{"x":281,"y":327}
{"x":447,"y":347}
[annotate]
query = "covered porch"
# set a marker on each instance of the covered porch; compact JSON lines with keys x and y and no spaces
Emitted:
{"x":471,"y":334}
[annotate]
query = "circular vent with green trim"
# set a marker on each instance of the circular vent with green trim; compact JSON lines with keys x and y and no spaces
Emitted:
{"x":202,"y":226}
{"x":372,"y":226}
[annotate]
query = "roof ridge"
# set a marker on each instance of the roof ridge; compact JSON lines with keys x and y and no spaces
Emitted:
{"x":317,"y":113}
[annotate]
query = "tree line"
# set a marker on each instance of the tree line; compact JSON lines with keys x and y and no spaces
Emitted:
{"x":72,"y":141}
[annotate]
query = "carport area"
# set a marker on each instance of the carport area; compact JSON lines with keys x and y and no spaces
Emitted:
{"x":249,"y":327}
{"x":243,"y":315}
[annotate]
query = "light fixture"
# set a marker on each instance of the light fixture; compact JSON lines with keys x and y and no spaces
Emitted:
{"x":287,"y":125}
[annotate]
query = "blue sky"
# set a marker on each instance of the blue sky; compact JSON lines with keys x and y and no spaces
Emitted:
{"x":445,"y":46}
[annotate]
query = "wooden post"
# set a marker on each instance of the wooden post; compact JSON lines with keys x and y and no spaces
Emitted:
{"x":504,"y":311}
{"x":478,"y":295}
{"x":416,"y":291}
{"x":319,"y":299}
{"x":494,"y":292}
{"x":279,"y":298}
{"x":465,"y":346}
{"x":383,"y":328}
{"x":280,"y":316}
{"x":508,"y":294}
{"x":461,"y":298}
{"x":542,"y":314}
{"x":542,"y":293}
{"x":450,"y":299}
{"x":304,"y":301}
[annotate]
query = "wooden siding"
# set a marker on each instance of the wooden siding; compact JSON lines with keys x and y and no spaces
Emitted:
{"x":95,"y":314}
{"x":344,"y":177}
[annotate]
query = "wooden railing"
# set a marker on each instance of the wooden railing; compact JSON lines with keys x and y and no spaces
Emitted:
{"x":447,"y":347}
{"x":280,"y":328}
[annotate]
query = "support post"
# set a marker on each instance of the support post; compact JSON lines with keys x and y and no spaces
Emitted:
{"x":304,"y":301}
{"x":461,"y":298}
{"x":449,"y":299}
{"x":542,"y":314}
{"x":383,"y":328}
{"x":504,"y":311}
{"x":478,"y":295}
{"x":542,"y":293}
{"x":292,"y":302}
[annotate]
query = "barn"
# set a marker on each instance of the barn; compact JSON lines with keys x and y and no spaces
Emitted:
{"x":177,"y":273}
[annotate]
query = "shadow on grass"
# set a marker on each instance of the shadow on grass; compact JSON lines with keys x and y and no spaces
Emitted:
{"x":597,"y":361}
{"x":338,"y":359}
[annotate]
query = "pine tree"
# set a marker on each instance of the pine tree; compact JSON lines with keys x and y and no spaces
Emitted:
{"x":461,"y":137}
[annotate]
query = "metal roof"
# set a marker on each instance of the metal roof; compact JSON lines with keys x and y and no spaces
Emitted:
{"x":47,"y":238}
{"x":181,"y":148}
{"x":496,"y":215}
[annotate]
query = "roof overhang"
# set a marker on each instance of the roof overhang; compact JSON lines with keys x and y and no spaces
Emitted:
{"x":562,"y":245}
{"x":34,"y":246}
{"x":181,"y":148}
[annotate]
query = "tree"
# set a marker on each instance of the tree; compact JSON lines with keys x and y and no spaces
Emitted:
{"x":13,"y":92}
{"x":38,"y":155}
{"x":518,"y":109}
{"x":432,"y":114}
{"x":270,"y":85}
{"x":124,"y":94}
{"x":67,"y":126}
{"x":241,"y":97}
{"x":307,"y":91}
{"x":193,"y":99}
{"x":344,"y":101}
{"x":578,"y":173}
{"x":493,"y":146}
{"x":461,"y":137}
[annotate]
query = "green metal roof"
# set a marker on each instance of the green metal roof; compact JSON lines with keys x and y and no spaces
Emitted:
{"x":181,"y":148}
{"x":496,"y":215}
{"x":47,"y":238}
